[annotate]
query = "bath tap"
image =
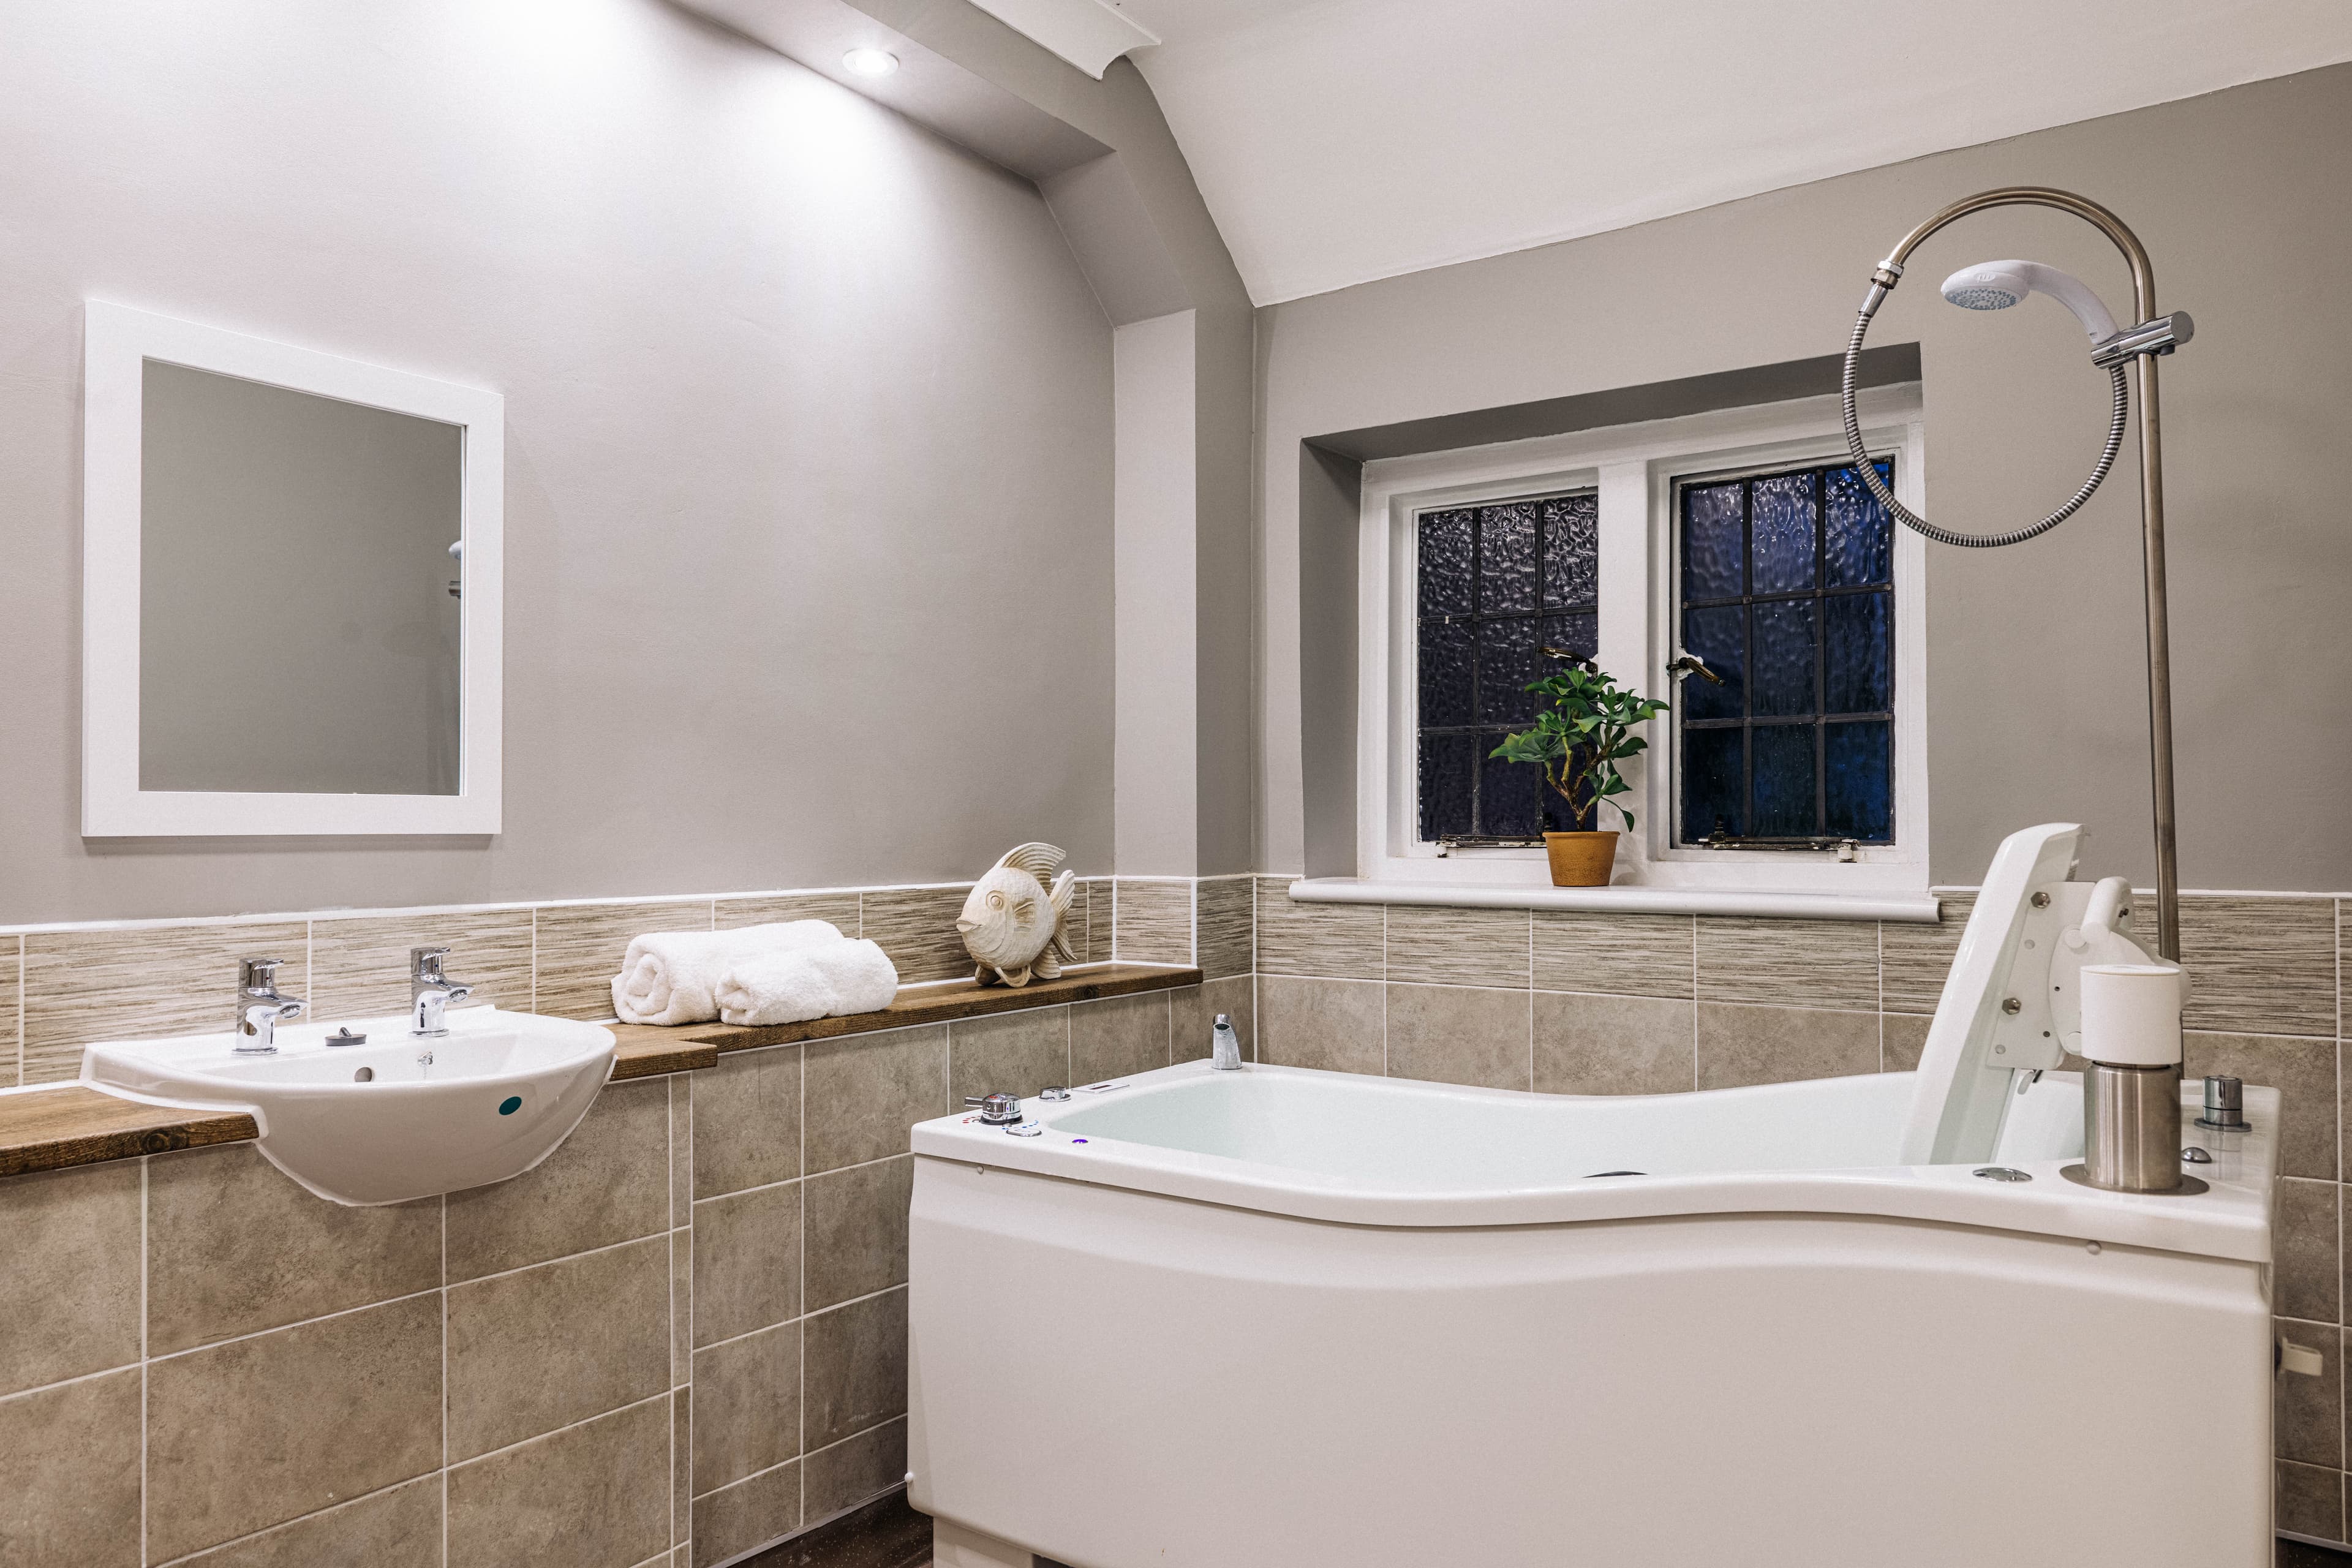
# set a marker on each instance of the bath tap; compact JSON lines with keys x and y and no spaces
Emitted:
{"x":430,"y":992}
{"x":1225,"y":1047}
{"x":259,"y":1008}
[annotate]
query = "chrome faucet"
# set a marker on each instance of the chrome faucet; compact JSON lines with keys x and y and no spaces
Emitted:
{"x":1225,"y":1047}
{"x":430,"y":992}
{"x":259,"y":1008}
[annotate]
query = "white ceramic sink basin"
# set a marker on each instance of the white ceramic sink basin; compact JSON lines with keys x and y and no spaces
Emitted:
{"x":380,"y":1123}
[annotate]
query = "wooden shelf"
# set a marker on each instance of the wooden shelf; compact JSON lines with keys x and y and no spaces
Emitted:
{"x":648,"y":1050}
{"x":73,"y":1124}
{"x":49,"y":1128}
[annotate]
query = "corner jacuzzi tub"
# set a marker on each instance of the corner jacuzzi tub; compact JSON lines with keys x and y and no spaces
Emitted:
{"x":1278,"y":1318}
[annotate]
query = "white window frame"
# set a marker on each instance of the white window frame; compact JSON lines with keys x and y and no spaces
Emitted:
{"x":1633,"y":469}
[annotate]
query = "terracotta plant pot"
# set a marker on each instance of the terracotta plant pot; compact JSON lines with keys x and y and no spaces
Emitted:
{"x":1581,"y":860}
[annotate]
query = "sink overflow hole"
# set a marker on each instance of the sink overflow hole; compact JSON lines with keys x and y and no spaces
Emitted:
{"x":510,"y":1105}
{"x":365,"y":1075}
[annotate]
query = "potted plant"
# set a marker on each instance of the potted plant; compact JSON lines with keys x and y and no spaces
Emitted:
{"x":1578,"y":741}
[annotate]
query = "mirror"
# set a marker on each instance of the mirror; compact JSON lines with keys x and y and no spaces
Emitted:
{"x":290,"y":586}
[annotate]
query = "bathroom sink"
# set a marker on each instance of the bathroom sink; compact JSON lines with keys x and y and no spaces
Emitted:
{"x":396,"y":1118}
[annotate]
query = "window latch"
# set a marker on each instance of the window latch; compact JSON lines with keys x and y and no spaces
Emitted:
{"x":1690,"y":664}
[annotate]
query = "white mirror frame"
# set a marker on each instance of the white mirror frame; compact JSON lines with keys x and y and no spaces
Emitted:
{"x":119,"y":342}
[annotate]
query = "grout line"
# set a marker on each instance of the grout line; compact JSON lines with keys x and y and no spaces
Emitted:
{"x":68,"y":1381}
{"x":302,"y":1323}
{"x":500,"y":1273}
{"x":444,"y":1356}
{"x":221,"y":1547}
{"x":144,"y":1165}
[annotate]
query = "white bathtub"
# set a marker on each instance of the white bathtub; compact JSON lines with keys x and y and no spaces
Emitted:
{"x":1277,"y":1317}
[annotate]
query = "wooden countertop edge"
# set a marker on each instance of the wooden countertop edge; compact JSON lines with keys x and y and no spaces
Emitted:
{"x":52,"y":1129}
{"x":643,"y":1044}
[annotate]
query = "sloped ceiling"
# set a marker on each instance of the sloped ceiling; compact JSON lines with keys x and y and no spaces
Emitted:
{"x":1341,"y":141}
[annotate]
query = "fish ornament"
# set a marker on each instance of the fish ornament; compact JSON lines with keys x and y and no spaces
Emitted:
{"x":1011,"y":924}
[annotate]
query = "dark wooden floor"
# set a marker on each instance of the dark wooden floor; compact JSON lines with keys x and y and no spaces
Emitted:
{"x":888,"y":1534}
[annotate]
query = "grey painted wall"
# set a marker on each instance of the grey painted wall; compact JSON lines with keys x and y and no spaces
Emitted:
{"x":809,"y":433}
{"x":2036,"y":680}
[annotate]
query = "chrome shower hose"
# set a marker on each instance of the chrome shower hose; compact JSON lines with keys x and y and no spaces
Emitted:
{"x":1869,"y":472}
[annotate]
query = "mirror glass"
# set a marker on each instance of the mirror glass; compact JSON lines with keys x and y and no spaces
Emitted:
{"x":300,"y":568}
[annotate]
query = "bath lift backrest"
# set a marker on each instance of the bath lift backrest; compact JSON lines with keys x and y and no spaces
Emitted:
{"x":2010,"y":1005}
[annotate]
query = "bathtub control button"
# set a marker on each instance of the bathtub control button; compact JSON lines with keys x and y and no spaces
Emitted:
{"x":995,"y":1109}
{"x":1052,"y":1092}
{"x":1026,"y":1130}
{"x":2002,"y":1174}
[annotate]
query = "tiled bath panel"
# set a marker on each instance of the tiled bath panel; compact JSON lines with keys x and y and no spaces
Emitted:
{"x":1606,"y":1004}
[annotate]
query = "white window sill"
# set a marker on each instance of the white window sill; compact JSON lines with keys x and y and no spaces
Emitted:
{"x":1916,"y":908}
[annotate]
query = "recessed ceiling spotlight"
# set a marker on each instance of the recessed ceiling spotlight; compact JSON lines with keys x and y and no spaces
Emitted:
{"x":871,"y":62}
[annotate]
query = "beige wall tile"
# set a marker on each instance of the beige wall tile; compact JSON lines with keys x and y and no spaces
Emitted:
{"x":747,"y":1413}
{"x":1902,"y":1041}
{"x":915,"y":926}
{"x":2310,"y":1501}
{"x":591,"y":1496}
{"x":1100,"y":934}
{"x":12,"y":1008}
{"x":1077,"y":921}
{"x":2260,"y":967}
{"x":2308,"y":1412}
{"x":83,"y":987}
{"x":1121,"y":1036}
{"x":854,"y":1368}
{"x":1626,"y":956}
{"x":749,"y":1513}
{"x":865,"y":1092}
{"x":396,"y":1529}
{"x":255,"y":1431}
{"x":1457,"y":947}
{"x":1740,"y":1045}
{"x":234,"y":1246}
{"x":1227,"y":919}
{"x":1818,"y":963}
{"x":681,"y":1464}
{"x":1152,"y":921}
{"x":1336,"y":941}
{"x":857,"y":1230}
{"x":579,"y":948}
{"x":681,"y":1304}
{"x":608,"y":1182}
{"x":1336,"y":1025}
{"x":747,"y":1262}
{"x":69,"y":1281}
{"x":1916,"y":958}
{"x":853,"y":1471}
{"x":1455,"y":1034}
{"x":1192,"y":1017}
{"x":681,"y":1147}
{"x":747,"y":1120}
{"x":359,"y":964}
{"x":2302,"y":1071}
{"x":1612,"y":1045}
{"x":1009,"y":1053}
{"x":556,"y":1343}
{"x":840,"y":910}
{"x":72,"y":1492}
{"x":2309,"y":1276}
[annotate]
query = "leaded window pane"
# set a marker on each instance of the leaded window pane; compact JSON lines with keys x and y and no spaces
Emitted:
{"x":1497,"y":583}
{"x":1786,"y":593}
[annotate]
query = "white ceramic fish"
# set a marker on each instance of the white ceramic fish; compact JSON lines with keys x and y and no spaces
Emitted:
{"x":1011,"y":924}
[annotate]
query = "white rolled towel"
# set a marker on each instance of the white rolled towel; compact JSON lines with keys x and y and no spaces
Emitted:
{"x":672,"y":976}
{"x":790,"y":986}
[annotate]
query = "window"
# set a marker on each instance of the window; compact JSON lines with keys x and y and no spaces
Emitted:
{"x":1741,"y":536}
{"x":1496,"y":585}
{"x":1786,"y":593}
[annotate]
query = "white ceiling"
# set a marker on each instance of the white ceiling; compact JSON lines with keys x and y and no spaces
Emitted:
{"x":1341,"y":141}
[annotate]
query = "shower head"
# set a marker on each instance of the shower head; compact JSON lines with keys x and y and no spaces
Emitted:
{"x":1998,"y":285}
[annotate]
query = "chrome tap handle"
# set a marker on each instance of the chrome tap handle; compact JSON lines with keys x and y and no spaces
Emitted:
{"x":256,"y":1026}
{"x":430,"y":992}
{"x":995,"y":1109}
{"x":425,"y":965}
{"x":257,"y":981}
